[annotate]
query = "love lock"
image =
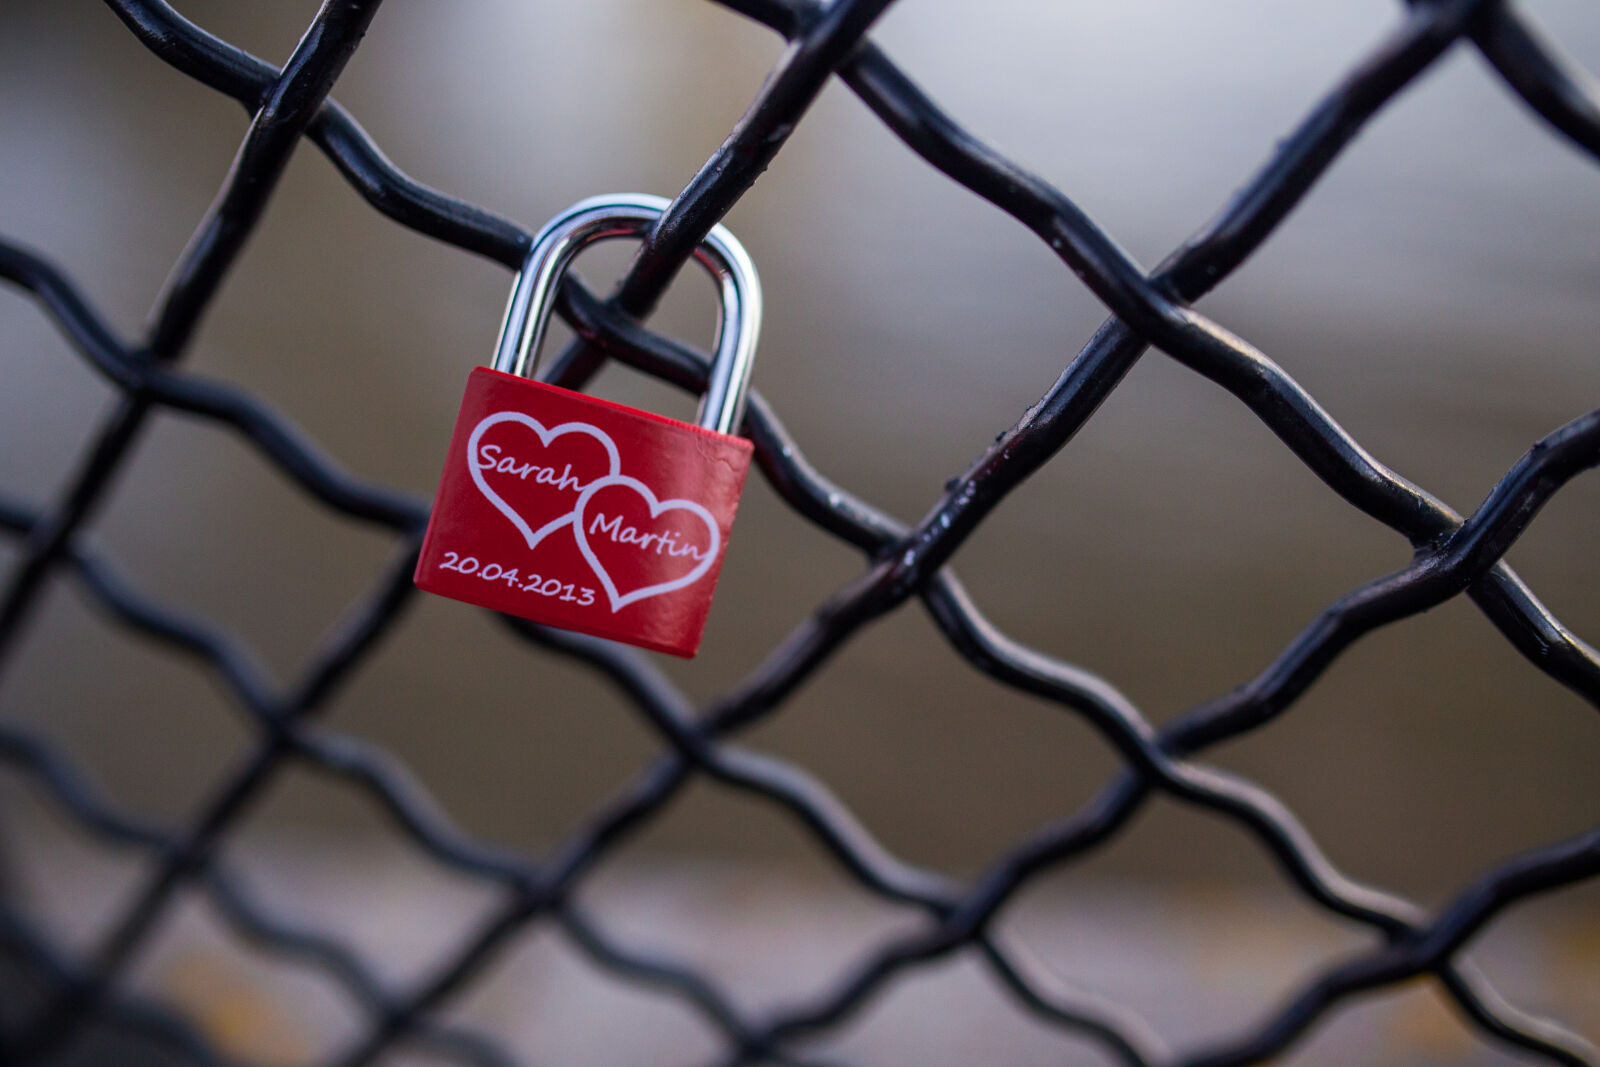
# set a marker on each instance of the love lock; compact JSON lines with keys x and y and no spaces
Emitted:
{"x":584,"y":514}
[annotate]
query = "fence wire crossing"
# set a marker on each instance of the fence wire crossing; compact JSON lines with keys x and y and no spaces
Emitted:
{"x":1452,"y":556}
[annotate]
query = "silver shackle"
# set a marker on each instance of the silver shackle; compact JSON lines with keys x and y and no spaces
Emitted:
{"x":601,"y":218}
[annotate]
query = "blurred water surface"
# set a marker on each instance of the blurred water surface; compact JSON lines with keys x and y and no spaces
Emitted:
{"x":1437,"y":293}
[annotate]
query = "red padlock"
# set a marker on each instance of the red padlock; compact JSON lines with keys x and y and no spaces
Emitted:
{"x":576,"y":512}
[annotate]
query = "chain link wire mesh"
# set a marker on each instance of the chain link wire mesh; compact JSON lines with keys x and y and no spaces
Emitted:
{"x":1453,"y":556}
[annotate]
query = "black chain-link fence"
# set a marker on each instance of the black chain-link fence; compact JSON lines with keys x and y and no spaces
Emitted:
{"x":87,"y":995}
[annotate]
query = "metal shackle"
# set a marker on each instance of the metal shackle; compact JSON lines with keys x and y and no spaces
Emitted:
{"x":601,"y":218}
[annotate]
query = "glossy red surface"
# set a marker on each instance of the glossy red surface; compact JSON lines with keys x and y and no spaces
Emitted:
{"x":583,"y":514}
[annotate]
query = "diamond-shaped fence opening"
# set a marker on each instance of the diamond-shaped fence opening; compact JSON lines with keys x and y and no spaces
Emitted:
{"x":558,"y":934}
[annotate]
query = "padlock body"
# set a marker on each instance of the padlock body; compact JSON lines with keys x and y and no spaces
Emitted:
{"x":583,"y":514}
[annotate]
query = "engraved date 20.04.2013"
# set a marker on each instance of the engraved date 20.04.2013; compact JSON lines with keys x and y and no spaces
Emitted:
{"x":581,"y":595}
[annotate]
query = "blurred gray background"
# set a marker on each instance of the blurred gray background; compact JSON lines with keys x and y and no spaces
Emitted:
{"x":1437,"y":293}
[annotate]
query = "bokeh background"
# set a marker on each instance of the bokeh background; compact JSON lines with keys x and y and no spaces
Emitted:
{"x":1437,"y":293}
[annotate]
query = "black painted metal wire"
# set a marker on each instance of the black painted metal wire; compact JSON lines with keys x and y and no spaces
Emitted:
{"x":1453,"y":555}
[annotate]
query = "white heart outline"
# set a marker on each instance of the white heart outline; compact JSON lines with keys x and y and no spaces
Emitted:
{"x":545,"y":437}
{"x":656,"y":508}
